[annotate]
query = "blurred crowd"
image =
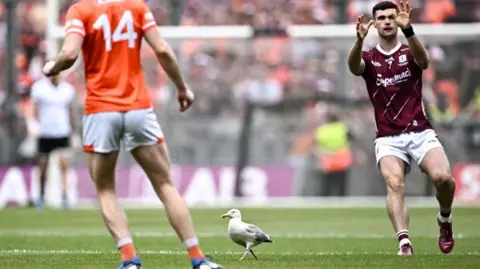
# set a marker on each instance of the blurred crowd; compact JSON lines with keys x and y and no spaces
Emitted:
{"x":224,"y":73}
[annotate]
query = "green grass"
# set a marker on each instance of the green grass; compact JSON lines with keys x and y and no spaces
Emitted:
{"x":304,"y":238}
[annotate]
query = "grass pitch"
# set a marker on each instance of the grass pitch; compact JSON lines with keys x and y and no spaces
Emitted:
{"x":304,"y":238}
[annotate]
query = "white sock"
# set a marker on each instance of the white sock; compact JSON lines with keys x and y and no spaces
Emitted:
{"x":124,"y":241}
{"x":191,"y":242}
{"x":402,"y":232}
{"x":444,"y":219}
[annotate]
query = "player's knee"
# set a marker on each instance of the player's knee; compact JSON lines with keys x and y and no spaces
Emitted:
{"x":396,"y":186}
{"x":441,"y":177}
{"x":395,"y":182}
{"x":103,"y":178}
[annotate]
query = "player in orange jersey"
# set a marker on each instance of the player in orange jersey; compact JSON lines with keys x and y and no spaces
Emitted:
{"x":118,"y":107}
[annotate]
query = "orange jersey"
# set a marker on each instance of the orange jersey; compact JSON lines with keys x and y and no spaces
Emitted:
{"x":113,"y":31}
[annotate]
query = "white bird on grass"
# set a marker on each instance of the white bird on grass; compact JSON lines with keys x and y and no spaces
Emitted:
{"x":245,"y":234}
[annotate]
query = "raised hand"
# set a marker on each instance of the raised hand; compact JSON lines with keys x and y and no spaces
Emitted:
{"x":404,"y":15}
{"x":362,"y":29}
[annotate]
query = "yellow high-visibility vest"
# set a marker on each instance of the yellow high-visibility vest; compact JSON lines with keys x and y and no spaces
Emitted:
{"x":477,"y":98}
{"x":438,"y":115}
{"x":333,"y":142}
{"x":331,"y":137}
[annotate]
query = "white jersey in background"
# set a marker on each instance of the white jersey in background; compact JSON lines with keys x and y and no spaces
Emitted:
{"x":53,"y":106}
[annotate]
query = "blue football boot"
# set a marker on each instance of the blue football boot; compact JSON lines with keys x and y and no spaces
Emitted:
{"x":205,"y":264}
{"x":134,"y":263}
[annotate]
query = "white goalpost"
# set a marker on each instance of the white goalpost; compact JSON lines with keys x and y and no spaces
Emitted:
{"x":447,"y":31}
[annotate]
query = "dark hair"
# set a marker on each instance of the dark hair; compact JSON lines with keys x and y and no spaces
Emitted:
{"x":332,"y":116}
{"x":384,"y":5}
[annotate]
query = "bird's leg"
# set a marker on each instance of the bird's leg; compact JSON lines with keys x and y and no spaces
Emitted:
{"x":253,"y":254}
{"x":247,"y":249}
{"x":244,"y":254}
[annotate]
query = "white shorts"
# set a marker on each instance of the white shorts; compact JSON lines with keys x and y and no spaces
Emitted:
{"x":408,"y":147}
{"x":103,"y":132}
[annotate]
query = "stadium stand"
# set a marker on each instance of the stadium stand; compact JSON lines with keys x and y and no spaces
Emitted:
{"x":224,"y":73}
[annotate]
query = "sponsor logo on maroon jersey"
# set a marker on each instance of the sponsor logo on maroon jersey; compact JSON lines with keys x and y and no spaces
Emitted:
{"x":397,"y":78}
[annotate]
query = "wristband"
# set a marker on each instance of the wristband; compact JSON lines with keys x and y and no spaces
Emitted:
{"x":408,"y":32}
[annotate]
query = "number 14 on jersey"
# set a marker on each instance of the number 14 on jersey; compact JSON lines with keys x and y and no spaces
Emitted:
{"x":123,"y":32}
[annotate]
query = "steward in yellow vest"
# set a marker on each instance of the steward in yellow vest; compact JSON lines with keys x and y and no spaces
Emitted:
{"x":332,"y":142}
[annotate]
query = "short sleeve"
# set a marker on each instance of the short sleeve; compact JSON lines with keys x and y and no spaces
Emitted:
{"x":148,"y":21}
{"x":74,"y":22}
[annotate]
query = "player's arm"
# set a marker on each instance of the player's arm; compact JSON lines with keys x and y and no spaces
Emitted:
{"x":418,"y":51}
{"x":67,"y":56}
{"x":74,"y":36}
{"x":355,"y":62}
{"x":166,"y":57}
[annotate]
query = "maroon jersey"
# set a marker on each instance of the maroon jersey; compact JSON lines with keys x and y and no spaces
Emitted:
{"x":394,"y":84}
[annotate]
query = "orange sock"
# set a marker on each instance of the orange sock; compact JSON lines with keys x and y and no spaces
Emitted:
{"x":128,"y":252}
{"x":195,"y":252}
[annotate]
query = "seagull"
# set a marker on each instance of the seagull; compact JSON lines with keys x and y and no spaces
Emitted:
{"x":245,"y":234}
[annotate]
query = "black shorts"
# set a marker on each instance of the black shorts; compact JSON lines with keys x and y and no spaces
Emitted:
{"x":47,"y":145}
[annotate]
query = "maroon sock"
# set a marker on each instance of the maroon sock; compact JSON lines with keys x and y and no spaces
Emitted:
{"x":402,"y":234}
{"x":445,"y":212}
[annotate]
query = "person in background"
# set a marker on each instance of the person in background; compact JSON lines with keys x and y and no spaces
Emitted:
{"x":53,"y":99}
{"x":441,"y":111}
{"x":333,"y":154}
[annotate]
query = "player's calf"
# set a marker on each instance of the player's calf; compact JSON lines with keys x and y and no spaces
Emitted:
{"x":43,"y":167}
{"x":445,"y":186}
{"x":395,"y":200}
{"x":102,"y":172}
{"x":154,"y":160}
{"x":436,"y":165}
{"x":392,"y":169}
{"x":64,"y":165}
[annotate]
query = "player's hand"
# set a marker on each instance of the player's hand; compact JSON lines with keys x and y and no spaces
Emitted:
{"x":362,"y":29}
{"x":404,"y":16}
{"x":48,"y":69}
{"x":185,"y":99}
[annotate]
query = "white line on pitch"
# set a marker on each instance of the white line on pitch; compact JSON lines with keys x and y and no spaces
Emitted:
{"x":167,"y":252}
{"x":77,"y":233}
